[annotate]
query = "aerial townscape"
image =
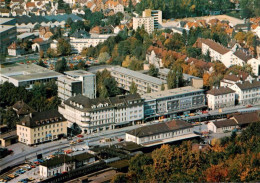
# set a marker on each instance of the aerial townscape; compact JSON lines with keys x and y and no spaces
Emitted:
{"x":128,"y":91}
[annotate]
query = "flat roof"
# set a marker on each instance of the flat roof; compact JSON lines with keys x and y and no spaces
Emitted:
{"x":4,"y":20}
{"x":185,"y":76}
{"x":67,"y":79}
{"x":24,"y":72}
{"x":5,"y":27}
{"x":138,"y":75}
{"x":77,"y":73}
{"x":171,"y":92}
{"x":27,"y":34}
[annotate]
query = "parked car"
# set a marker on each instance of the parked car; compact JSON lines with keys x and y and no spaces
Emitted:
{"x":72,"y":142}
{"x":120,"y":139}
{"x":79,"y":140}
{"x":80,"y":136}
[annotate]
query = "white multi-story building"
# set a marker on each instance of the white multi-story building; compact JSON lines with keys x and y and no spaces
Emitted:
{"x":77,"y":82}
{"x":157,"y":14}
{"x":147,"y":22}
{"x":125,"y":77}
{"x":231,"y":79}
{"x":161,"y":133}
{"x":228,"y":57}
{"x":247,"y":92}
{"x":220,"y":98}
{"x":27,"y":74}
{"x":78,"y":43}
{"x":173,"y":102}
{"x":99,"y":114}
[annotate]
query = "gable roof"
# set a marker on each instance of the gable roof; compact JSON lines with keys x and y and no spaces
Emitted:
{"x":13,"y":46}
{"x":232,"y":77}
{"x":242,"y":55}
{"x":200,"y":63}
{"x":246,"y":118}
{"x":220,"y":91}
{"x":159,"y":128}
{"x":36,"y":119}
{"x":212,"y":44}
{"x":248,"y":84}
{"x":224,"y":123}
{"x":22,"y":108}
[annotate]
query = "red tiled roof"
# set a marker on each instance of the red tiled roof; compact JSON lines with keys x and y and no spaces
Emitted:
{"x":212,"y":44}
{"x":38,"y":40}
{"x":30,"y":4}
{"x":200,"y":63}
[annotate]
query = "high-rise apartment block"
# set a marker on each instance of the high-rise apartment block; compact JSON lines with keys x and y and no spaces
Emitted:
{"x":156,"y":14}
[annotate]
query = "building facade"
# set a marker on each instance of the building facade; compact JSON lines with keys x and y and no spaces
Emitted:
{"x":156,"y":14}
{"x":125,"y":77}
{"x":65,"y":163}
{"x":161,"y":133}
{"x":147,"y":22}
{"x":247,"y":92}
{"x":8,"y":33}
{"x":174,"y":101}
{"x":92,"y":115}
{"x":27,"y":74}
{"x":222,"y":125}
{"x":39,"y":127}
{"x":77,"y":82}
{"x":220,"y":97}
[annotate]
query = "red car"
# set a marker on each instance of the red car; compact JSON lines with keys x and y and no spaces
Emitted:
{"x":120,"y":139}
{"x":80,"y":136}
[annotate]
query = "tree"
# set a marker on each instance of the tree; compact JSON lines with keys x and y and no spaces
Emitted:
{"x":61,"y":65}
{"x":103,"y":57}
{"x":51,"y":53}
{"x":63,"y":47}
{"x":41,"y":53}
{"x":171,"y":79}
{"x":133,"y":88}
{"x":41,"y":63}
{"x":153,"y":71}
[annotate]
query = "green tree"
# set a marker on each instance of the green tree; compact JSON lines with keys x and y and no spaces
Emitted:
{"x":61,"y":65}
{"x":153,"y":71}
{"x":63,"y":47}
{"x":41,"y":63}
{"x":103,"y":57}
{"x":133,"y":88}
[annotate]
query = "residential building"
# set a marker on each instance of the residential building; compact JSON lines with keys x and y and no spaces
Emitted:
{"x":77,"y":82}
{"x":227,"y":56}
{"x":156,"y":14}
{"x":147,"y":22}
{"x":14,"y":49}
{"x":220,"y":97}
{"x":240,"y":121}
{"x":39,"y":127}
{"x":155,"y":55}
{"x":221,"y":126}
{"x":247,"y":92}
{"x":39,"y":44}
{"x":92,"y":115}
{"x":65,"y":163}
{"x":125,"y":77}
{"x":8,"y":33}
{"x":115,"y":6}
{"x":27,"y":74}
{"x":22,"y":109}
{"x":174,"y":101}
{"x":161,"y":133}
{"x":79,"y":42}
{"x":230,"y":79}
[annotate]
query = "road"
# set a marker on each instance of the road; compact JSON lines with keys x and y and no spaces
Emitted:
{"x":22,"y":152}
